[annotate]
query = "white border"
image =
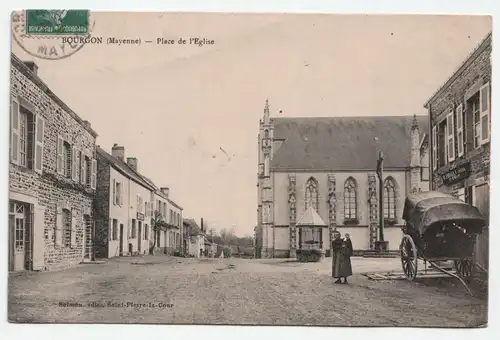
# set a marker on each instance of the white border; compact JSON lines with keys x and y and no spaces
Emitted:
{"x":14,"y":331}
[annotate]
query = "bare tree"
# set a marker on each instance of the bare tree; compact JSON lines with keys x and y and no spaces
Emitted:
{"x":158,"y":224}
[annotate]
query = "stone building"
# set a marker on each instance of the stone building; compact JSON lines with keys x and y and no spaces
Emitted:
{"x":52,"y":176}
{"x":123,"y":206}
{"x":460,"y":119}
{"x":329,"y":164}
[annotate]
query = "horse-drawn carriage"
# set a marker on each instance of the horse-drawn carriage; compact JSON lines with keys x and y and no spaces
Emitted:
{"x":439,"y":228}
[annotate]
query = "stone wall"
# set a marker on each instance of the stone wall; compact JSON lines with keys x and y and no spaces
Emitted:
{"x":101,"y":207}
{"x":51,"y":188}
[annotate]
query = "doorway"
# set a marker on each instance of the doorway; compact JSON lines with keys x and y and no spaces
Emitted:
{"x":19,"y":236}
{"x":121,"y":239}
{"x":139,"y":238}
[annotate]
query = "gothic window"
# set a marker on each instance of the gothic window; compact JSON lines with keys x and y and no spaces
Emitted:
{"x":266,"y":134}
{"x":389,"y":198}
{"x":312,"y":194}
{"x":350,"y":199}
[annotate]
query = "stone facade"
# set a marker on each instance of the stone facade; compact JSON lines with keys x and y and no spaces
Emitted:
{"x":466,"y":92}
{"x":42,"y":126}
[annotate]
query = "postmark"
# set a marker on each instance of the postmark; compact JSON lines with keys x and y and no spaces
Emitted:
{"x":43,"y":33}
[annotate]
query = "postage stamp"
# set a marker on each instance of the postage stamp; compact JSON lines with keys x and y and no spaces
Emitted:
{"x":44,"y":33}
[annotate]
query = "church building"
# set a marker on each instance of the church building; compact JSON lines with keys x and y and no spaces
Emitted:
{"x":323,"y":169}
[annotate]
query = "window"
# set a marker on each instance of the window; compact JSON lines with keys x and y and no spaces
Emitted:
{"x":66,"y":159}
{"x":474,"y":104}
{"x":178,"y":239}
{"x":434,"y":148}
{"x":484,"y":93}
{"x":139,"y":204}
{"x":389,"y":198}
{"x":310,"y":238}
{"x":146,"y":232}
{"x":119,"y":194}
{"x":442,"y":146}
{"x":23,"y":138}
{"x":26,"y":137}
{"x":66,"y":215}
{"x":461,"y":194}
{"x":114,"y":231}
{"x":134,"y":229}
{"x":350,"y":199}
{"x":450,"y":136}
{"x":146,"y":208}
{"x":312,"y":194}
{"x":460,"y":131}
{"x":18,"y":214}
{"x":84,"y":169}
{"x":266,"y":134}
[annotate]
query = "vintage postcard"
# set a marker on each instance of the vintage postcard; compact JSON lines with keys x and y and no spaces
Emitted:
{"x":249,"y":169}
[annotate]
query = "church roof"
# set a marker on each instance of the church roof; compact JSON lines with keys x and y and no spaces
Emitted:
{"x":344,"y":143}
{"x":310,"y":218}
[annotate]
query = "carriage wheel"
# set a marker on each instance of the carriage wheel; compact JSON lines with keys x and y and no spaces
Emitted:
{"x":409,"y":258}
{"x":463,"y":267}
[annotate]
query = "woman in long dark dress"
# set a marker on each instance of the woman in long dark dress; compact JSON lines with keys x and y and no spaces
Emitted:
{"x":347,"y":256}
{"x":341,"y":261}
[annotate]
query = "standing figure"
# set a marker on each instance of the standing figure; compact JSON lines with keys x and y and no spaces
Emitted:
{"x":347,"y":256}
{"x":341,"y":261}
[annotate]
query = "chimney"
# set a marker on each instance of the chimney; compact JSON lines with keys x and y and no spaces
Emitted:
{"x":132,"y":162}
{"x":118,"y":152}
{"x":87,"y":124}
{"x":165,"y":190}
{"x":32,"y":66}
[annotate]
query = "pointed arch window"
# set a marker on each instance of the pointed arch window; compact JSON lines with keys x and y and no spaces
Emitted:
{"x":389,"y":198}
{"x":350,"y":199}
{"x":312,"y":193}
{"x":266,"y":134}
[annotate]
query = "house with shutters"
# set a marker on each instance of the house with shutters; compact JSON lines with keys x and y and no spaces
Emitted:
{"x":169,"y":237}
{"x":52,"y":176}
{"x":326,"y":167}
{"x":460,"y":120}
{"x":123,"y":205}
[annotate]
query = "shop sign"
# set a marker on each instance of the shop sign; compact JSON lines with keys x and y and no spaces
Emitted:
{"x":140,"y":216}
{"x":457,"y":174}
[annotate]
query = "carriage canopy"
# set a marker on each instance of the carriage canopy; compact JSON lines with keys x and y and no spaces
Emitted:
{"x":424,"y":209}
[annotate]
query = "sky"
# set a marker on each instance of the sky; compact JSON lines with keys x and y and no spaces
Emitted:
{"x":174,"y":107}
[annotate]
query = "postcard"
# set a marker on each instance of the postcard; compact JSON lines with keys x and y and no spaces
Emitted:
{"x":249,"y":169}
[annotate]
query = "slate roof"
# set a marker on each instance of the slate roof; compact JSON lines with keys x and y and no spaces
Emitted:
{"x":194,"y":229}
{"x":159,"y":192}
{"x":344,"y":143}
{"x":124,"y":169}
{"x":310,"y":218}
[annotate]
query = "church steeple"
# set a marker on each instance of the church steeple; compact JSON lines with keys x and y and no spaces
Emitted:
{"x":266,"y":112}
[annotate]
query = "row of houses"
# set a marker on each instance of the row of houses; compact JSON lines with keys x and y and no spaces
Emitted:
{"x":69,"y":199}
{"x":316,"y":175}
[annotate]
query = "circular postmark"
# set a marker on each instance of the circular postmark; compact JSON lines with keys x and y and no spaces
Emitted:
{"x":46,"y":39}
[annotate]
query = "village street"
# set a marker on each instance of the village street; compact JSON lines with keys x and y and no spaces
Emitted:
{"x":237,"y":291}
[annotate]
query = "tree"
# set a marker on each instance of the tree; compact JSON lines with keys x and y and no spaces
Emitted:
{"x":158,"y":223}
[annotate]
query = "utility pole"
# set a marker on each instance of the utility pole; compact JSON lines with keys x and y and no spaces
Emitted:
{"x":380,"y":174}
